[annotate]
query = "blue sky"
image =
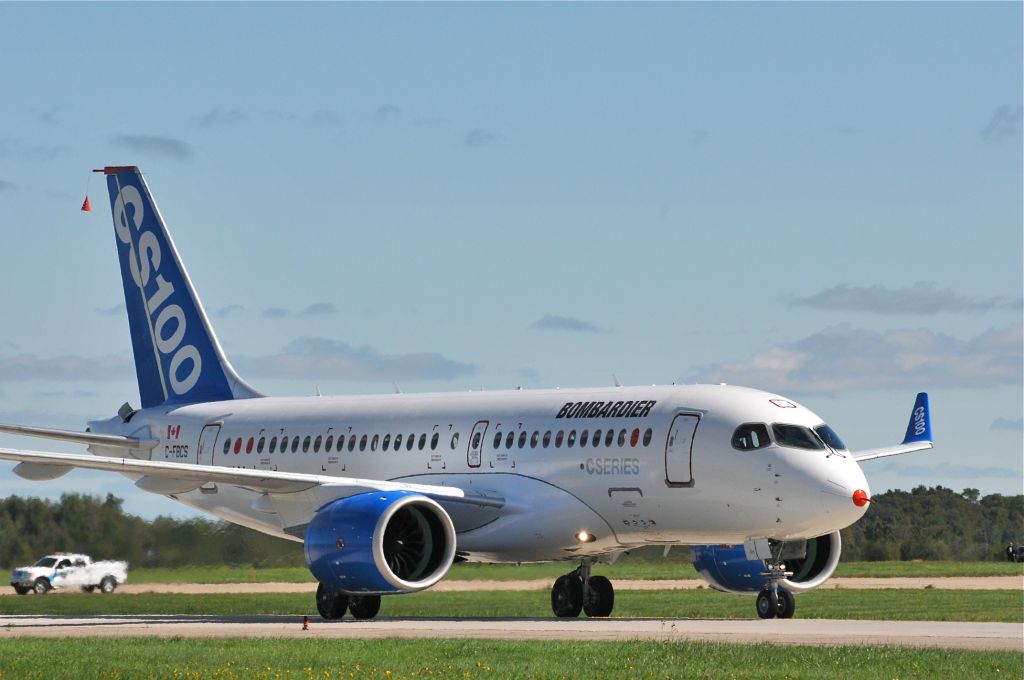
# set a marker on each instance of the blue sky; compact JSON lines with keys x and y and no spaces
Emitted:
{"x":818,"y":199}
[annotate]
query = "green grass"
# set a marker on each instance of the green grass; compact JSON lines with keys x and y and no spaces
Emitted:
{"x":267,"y":659}
{"x":625,"y":568}
{"x":903,"y":605}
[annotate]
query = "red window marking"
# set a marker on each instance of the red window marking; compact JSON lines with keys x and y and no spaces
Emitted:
{"x":248,"y":446}
{"x":635,"y":437}
{"x":238,"y":445}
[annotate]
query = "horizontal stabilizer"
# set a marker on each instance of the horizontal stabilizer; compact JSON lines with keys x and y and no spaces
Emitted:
{"x":87,"y":438}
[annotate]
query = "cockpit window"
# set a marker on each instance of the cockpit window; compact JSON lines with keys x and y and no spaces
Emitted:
{"x":796,"y":436}
{"x":829,"y":436}
{"x":751,"y":436}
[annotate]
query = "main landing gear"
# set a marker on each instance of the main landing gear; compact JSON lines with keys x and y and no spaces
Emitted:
{"x":579,"y":591}
{"x":774,"y":600}
{"x":332,"y":605}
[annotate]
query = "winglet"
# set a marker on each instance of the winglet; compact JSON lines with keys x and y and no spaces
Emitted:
{"x":919,"y":429}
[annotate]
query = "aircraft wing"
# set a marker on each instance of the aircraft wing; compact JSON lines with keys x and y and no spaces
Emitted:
{"x":918,"y":437}
{"x":187,"y":476}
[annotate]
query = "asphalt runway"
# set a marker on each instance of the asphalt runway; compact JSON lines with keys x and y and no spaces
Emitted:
{"x":812,"y":632}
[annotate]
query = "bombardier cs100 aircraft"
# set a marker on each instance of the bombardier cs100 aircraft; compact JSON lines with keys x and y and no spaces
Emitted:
{"x":387,"y":491}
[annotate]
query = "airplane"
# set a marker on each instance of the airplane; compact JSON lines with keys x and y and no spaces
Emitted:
{"x":387,"y":491}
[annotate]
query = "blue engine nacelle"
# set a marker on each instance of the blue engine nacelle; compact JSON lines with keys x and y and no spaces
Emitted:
{"x":380,"y":542}
{"x":727,"y":568}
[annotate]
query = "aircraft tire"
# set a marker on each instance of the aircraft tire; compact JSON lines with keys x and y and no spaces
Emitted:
{"x":765,"y":610}
{"x":567,"y":596}
{"x":787,"y":604}
{"x":41,"y":586}
{"x":598,"y":597}
{"x":364,"y":607}
{"x":329,"y":604}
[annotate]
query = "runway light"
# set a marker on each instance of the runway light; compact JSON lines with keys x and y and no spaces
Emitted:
{"x":860,"y":498}
{"x":584,"y":536}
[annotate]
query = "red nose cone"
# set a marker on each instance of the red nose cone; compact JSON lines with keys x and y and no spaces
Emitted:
{"x":860,"y":498}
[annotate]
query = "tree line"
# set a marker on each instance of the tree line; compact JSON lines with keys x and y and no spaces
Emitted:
{"x":924,"y":523}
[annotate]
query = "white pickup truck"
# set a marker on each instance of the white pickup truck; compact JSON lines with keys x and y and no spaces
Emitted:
{"x":66,"y":570}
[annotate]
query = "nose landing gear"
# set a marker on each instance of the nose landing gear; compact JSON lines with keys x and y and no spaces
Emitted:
{"x":774,"y":600}
{"x":579,"y":591}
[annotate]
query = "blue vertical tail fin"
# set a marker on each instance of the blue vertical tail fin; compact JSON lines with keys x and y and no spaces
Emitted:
{"x":177,"y":356}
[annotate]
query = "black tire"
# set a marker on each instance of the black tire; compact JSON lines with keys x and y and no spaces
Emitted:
{"x":787,"y":604}
{"x":330,"y":604}
{"x":765,"y":610}
{"x":567,"y":596}
{"x":21,"y":591}
{"x":88,"y":589}
{"x":41,"y":586}
{"x":108,"y":584}
{"x":598,"y":597}
{"x":364,"y":607}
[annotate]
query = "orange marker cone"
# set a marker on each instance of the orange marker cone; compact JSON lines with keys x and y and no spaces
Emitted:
{"x":85,"y":205}
{"x":305,"y":623}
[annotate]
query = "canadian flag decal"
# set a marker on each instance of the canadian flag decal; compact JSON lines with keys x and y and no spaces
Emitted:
{"x":173,"y":431}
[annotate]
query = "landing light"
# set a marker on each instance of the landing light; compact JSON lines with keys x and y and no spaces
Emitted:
{"x":584,"y":536}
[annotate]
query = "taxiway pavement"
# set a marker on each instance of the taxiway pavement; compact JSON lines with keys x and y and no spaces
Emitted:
{"x":814,"y":632}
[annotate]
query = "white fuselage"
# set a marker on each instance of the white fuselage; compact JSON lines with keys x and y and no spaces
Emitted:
{"x":657,"y":466}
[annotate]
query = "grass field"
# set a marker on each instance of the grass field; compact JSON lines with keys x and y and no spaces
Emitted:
{"x":903,"y":605}
{"x":230,"y":659}
{"x":624,"y":568}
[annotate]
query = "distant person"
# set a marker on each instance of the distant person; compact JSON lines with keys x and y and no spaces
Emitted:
{"x":1011,"y":554}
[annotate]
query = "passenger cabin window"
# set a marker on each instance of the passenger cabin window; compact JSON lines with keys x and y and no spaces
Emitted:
{"x":316,"y":443}
{"x":329,"y":443}
{"x":476,"y":440}
{"x":273,"y":444}
{"x":750,"y":436}
{"x":434,"y":440}
{"x":387,"y":443}
{"x":398,"y":442}
{"x":648,"y":434}
{"x":362,"y":442}
{"x":227,"y":444}
{"x":497,"y":440}
{"x":511,"y":437}
{"x":305,"y":444}
{"x":455,"y":440}
{"x":374,"y":441}
{"x":422,"y":442}
{"x":284,"y":445}
{"x":547,"y":438}
{"x":295,"y":444}
{"x":796,"y":436}
{"x":534,"y":438}
{"x":352,"y":442}
{"x":260,"y":444}
{"x":572,"y":439}
{"x":597,"y":438}
{"x":558,"y":439}
{"x":609,"y":438}
{"x":583,"y":438}
{"x":622,"y":437}
{"x":522,"y":439}
{"x":409,"y":442}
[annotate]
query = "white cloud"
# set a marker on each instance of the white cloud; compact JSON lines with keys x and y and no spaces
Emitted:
{"x":920,"y":298}
{"x":842,"y":358}
{"x":308,"y":358}
{"x":554,"y":322}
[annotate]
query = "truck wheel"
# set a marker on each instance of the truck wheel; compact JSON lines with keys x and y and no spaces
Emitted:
{"x":21,"y":591}
{"x":88,"y":589}
{"x":41,"y":586}
{"x":108,"y":584}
